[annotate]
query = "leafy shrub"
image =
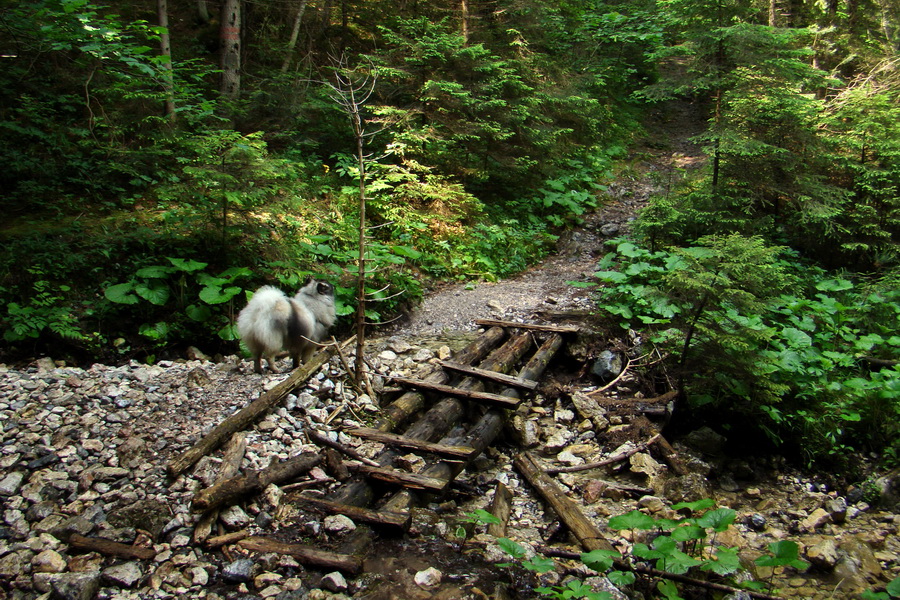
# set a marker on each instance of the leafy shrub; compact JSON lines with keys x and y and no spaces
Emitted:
{"x":758,"y":334}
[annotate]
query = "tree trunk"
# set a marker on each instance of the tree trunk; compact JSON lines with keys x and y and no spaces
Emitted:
{"x":230,"y":62}
{"x":202,"y":11}
{"x":464,"y":16}
{"x":295,"y":33}
{"x":773,"y":10}
{"x":165,"y":50}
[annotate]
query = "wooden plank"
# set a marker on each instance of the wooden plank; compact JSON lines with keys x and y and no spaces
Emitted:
{"x":532,"y":326}
{"x":304,"y":554}
{"x":501,"y":507}
{"x":392,"y":439}
{"x":509,"y":380}
{"x":585,"y":530}
{"x":356,"y":513}
{"x":449,"y":390}
{"x":413,"y":481}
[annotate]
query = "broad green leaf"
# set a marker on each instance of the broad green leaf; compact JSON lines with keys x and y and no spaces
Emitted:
{"x":186,"y":264}
{"x":718,"y":519}
{"x":512,"y":548}
{"x":121,"y":293}
{"x":632,"y":520}
{"x":834,"y":285}
{"x":696,"y":505}
{"x":600,"y":560}
{"x":621,"y":578}
{"x":796,"y":338}
{"x":539,"y":564}
{"x":155,"y":272}
{"x":154,"y":292}
{"x":198,"y":312}
{"x":216,"y":295}
{"x":723,"y":562}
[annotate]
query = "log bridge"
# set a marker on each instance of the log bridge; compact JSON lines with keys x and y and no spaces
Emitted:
{"x":482,"y":379}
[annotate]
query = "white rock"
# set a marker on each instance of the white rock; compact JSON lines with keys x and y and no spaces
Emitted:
{"x":428,"y":578}
{"x":334,"y":582}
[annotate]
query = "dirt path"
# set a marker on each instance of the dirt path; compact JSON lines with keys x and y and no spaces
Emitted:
{"x":544,"y":287}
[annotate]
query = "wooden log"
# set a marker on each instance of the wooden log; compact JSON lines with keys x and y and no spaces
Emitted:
{"x":304,"y":554}
{"x":501,"y":507}
{"x":583,"y":528}
{"x":356,"y":513}
{"x":232,"y":457}
{"x":226,"y":492}
{"x":490,"y":375}
{"x":110,"y":548}
{"x":401,"y":441}
{"x":401,"y":409}
{"x":532,"y":326}
{"x":247,"y":415}
{"x":405,"y":479}
{"x":670,"y":456}
{"x":449,"y":390}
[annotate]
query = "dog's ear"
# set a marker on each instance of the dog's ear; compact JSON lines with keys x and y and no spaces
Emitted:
{"x":325,"y":288}
{"x":307,"y":281}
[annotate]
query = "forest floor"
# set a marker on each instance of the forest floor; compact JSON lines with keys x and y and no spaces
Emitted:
{"x":85,"y":451}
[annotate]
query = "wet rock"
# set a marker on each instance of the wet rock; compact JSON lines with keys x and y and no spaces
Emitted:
{"x":150,"y":515}
{"x":756,"y":521}
{"x":645,"y":464}
{"x":706,"y":440}
{"x":823,"y":555}
{"x":234,"y":517}
{"x":526,"y":431}
{"x":607,"y":365}
{"x":602,"y":584}
{"x":688,"y":488}
{"x":836,"y":509}
{"x":857,"y":568}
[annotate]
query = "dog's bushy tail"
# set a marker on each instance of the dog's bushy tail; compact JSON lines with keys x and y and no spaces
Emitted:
{"x":263,"y":324}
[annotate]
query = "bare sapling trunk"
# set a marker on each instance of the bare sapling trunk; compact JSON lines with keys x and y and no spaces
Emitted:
{"x":295,"y":33}
{"x":351,"y":94}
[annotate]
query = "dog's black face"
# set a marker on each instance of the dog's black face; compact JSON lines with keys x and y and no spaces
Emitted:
{"x":325,"y":289}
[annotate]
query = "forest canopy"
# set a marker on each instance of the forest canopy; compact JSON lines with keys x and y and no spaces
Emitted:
{"x":164,"y":159}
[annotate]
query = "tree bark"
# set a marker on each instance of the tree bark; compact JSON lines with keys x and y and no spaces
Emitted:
{"x":304,"y":554}
{"x":202,"y":11}
{"x":295,"y":33}
{"x":230,"y":59}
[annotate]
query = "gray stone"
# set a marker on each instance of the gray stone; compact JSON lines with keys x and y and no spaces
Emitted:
{"x":837,"y":509}
{"x":239,"y":571}
{"x":234,"y":517}
{"x":75,"y":586}
{"x":334,"y":582}
{"x":608,"y":365}
{"x":428,"y":578}
{"x":123,"y":575}
{"x":11,"y":483}
{"x":338,"y":524}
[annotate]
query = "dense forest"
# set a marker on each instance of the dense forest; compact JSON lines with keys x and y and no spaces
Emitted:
{"x":162,"y":160}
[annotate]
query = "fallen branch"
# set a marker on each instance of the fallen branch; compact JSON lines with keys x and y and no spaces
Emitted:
{"x":247,"y":415}
{"x":304,"y":554}
{"x":226,"y":492}
{"x":228,"y":538}
{"x":110,"y":548}
{"x":449,"y":390}
{"x":509,"y":380}
{"x":323,"y":440}
{"x":393,"y":439}
{"x":607,"y":461}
